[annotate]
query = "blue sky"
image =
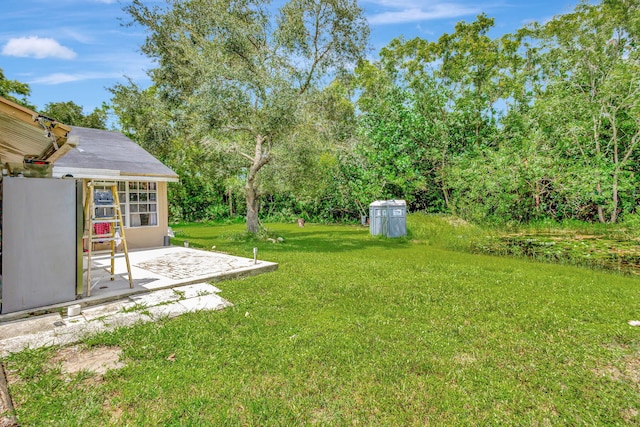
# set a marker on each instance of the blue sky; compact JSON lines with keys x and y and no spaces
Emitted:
{"x":73,"y":50}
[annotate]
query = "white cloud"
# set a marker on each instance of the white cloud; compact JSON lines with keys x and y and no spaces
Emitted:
{"x":398,"y":4}
{"x":59,"y":78}
{"x":406,"y":11}
{"x":73,"y":34}
{"x":37,"y":47}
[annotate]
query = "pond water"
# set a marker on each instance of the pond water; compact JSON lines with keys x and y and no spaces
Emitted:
{"x":588,"y":250}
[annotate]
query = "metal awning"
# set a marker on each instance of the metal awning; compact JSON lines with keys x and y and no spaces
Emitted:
{"x":24,"y":132}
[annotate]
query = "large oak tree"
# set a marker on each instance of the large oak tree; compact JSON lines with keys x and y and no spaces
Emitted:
{"x":237,"y":75}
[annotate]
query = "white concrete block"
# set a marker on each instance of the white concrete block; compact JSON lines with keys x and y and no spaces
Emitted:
{"x":207,"y":302}
{"x":155,"y":297}
{"x":196,"y":290}
{"x":170,"y":311}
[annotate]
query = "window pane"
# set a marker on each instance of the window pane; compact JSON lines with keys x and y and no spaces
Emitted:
{"x":140,"y":200}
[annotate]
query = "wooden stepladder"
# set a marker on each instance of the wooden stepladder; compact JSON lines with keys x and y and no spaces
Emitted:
{"x":103,"y":223}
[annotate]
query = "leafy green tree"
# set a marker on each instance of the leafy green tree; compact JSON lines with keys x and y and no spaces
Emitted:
{"x":393,"y":134}
{"x":588,"y":104}
{"x":72,"y":114}
{"x":145,"y":118}
{"x":12,"y":89}
{"x":241,"y":76}
{"x":205,"y":175}
{"x":426,"y":103}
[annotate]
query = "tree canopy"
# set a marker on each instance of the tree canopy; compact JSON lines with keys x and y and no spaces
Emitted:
{"x":72,"y":114}
{"x":14,"y":90}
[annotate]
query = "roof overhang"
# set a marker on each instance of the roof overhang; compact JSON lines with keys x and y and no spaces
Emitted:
{"x":23,"y":132}
{"x":109,"y":174}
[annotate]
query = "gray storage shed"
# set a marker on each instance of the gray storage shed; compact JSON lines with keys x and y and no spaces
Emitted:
{"x":388,"y":218}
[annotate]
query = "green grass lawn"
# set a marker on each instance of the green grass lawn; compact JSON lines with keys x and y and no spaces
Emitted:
{"x":357,"y":330}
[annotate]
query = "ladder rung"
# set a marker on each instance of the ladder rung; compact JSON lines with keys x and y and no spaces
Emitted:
{"x":106,"y":206}
{"x":107,"y":238}
{"x":103,"y":183}
{"x":103,"y":252}
{"x":99,"y":236}
{"x":105,"y":219}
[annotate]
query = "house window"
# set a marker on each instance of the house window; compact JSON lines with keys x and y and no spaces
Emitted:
{"x":139,"y":203}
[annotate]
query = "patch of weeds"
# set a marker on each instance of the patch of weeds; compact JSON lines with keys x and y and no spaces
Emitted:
{"x":29,"y":363}
{"x":181,"y":294}
{"x":592,"y":251}
{"x":134,"y":308}
{"x":443,"y":231}
{"x":246,"y":237}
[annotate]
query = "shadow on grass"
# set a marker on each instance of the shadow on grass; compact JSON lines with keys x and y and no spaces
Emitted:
{"x":326,"y":239}
{"x":319,"y":239}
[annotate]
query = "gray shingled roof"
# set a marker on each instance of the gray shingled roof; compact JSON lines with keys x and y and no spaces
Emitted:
{"x":102,"y":149}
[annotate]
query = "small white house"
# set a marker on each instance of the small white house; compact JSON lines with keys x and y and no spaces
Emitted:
{"x":142,"y":180}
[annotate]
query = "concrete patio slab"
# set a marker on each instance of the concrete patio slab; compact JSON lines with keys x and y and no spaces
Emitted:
{"x":54,"y":329}
{"x":95,"y":312}
{"x":39,"y":324}
{"x":155,"y":269}
{"x":168,"y":282}
{"x":19,"y":343}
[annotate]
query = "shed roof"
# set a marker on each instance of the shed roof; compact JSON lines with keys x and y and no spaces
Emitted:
{"x":102,"y":153}
{"x":391,"y":203}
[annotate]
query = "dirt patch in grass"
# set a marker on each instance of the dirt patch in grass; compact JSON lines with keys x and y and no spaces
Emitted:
{"x":464,"y":359}
{"x":629,"y":371}
{"x":97,"y":360}
{"x":456,"y":222}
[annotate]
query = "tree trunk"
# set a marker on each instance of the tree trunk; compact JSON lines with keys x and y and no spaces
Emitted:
{"x":601,"y":217}
{"x":260,"y":159}
{"x":614,"y":212}
{"x":616,"y":160}
{"x":596,"y":138}
{"x":445,"y":193}
{"x":251,"y":195}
